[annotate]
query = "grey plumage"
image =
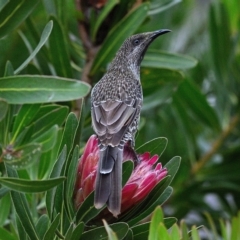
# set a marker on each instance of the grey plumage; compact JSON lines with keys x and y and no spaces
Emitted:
{"x":116,"y":101}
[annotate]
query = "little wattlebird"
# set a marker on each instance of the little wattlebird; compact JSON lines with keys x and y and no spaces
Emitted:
{"x":116,"y":101}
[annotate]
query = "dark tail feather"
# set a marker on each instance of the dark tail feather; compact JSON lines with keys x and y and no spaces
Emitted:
{"x":109,"y":180}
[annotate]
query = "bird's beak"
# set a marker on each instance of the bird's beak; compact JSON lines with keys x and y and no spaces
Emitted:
{"x":159,"y":32}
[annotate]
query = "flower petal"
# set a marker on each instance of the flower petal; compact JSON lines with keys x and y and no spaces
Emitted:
{"x":146,"y":187}
{"x":88,"y":184}
{"x":145,"y":156}
{"x":128,"y":192}
{"x":91,"y":147}
{"x":90,"y":165}
{"x":153,"y":160}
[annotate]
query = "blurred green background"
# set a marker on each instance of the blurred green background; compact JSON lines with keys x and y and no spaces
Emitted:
{"x":190,"y":78}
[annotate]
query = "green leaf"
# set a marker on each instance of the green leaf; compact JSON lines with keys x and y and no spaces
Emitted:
{"x":157,"y":218}
{"x":169,"y":222}
{"x":69,"y":132}
{"x":5,"y":205}
{"x":48,"y":139}
{"x":172,"y":167}
{"x":194,"y":233}
{"x":184,"y":231}
{"x":14,"y":13}
{"x":175,"y":232}
{"x":220,"y":39}
{"x":155,"y":78}
{"x":41,"y":89}
{"x":46,"y":118}
{"x":111,"y":234}
{"x":69,"y":232}
{"x":3,"y":191}
{"x":3,"y":3}
{"x":148,"y":209}
{"x":42,"y":225}
{"x":20,"y":229}
{"x":56,"y":172}
{"x":23,"y":156}
{"x":154,"y":146}
{"x":127,"y":171}
{"x":31,"y":186}
{"x":161,"y":231}
{"x":7,"y":235}
{"x":9,"y":70}
{"x":77,"y":231}
{"x":24,"y":118}
{"x":4,"y":109}
{"x":44,"y":37}
{"x":160,"y":6}
{"x":127,"y":26}
{"x":120,"y":229}
{"x":69,"y":184}
{"x":59,"y":50}
{"x":157,"y":59}
{"x":158,"y":97}
{"x":195,"y":101}
{"x":51,"y":232}
{"x":103,"y":14}
{"x":22,"y":209}
{"x":141,"y":231}
{"x":87,"y":211}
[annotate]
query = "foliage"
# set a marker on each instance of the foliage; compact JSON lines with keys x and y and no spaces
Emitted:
{"x":47,"y":46}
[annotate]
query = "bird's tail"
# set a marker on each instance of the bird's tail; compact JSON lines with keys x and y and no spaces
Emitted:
{"x":108,"y":187}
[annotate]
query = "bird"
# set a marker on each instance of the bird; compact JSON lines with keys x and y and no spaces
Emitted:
{"x":116,"y":102}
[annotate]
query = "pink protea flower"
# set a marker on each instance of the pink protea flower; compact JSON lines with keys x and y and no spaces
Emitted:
{"x":141,"y":182}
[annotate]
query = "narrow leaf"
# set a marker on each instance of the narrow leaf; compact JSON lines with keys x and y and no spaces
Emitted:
{"x":22,"y":209}
{"x":44,"y":37}
{"x":120,"y":229}
{"x":154,"y":146}
{"x":7,"y":235}
{"x":23,"y":118}
{"x":77,"y":231}
{"x":56,"y":172}
{"x":127,"y":26}
{"x":4,"y":109}
{"x":196,"y":102}
{"x":172,"y":167}
{"x":104,"y":12}
{"x":23,"y":156}
{"x":157,"y":59}
{"x":9,"y":70}
{"x":111,"y":234}
{"x":5,"y":205}
{"x":69,"y":132}
{"x":48,"y":139}
{"x":157,"y":218}
{"x":41,"y":89}
{"x":30,"y":186}
{"x":160,"y":6}
{"x":42,"y":225}
{"x":50,"y":234}
{"x":70,"y":182}
{"x":14,"y":13}
{"x":59,"y":50}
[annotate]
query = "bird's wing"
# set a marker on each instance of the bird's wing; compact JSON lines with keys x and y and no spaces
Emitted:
{"x":111,"y":119}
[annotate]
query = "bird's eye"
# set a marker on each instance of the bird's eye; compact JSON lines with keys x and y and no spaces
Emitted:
{"x":136,"y":42}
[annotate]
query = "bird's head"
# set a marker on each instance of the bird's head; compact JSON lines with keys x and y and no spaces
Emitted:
{"x":133,"y":49}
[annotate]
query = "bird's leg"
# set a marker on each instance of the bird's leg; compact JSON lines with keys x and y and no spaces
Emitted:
{"x":130,"y":153}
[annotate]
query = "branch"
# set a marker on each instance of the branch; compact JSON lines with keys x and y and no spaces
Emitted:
{"x":90,"y":49}
{"x":216,"y":145}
